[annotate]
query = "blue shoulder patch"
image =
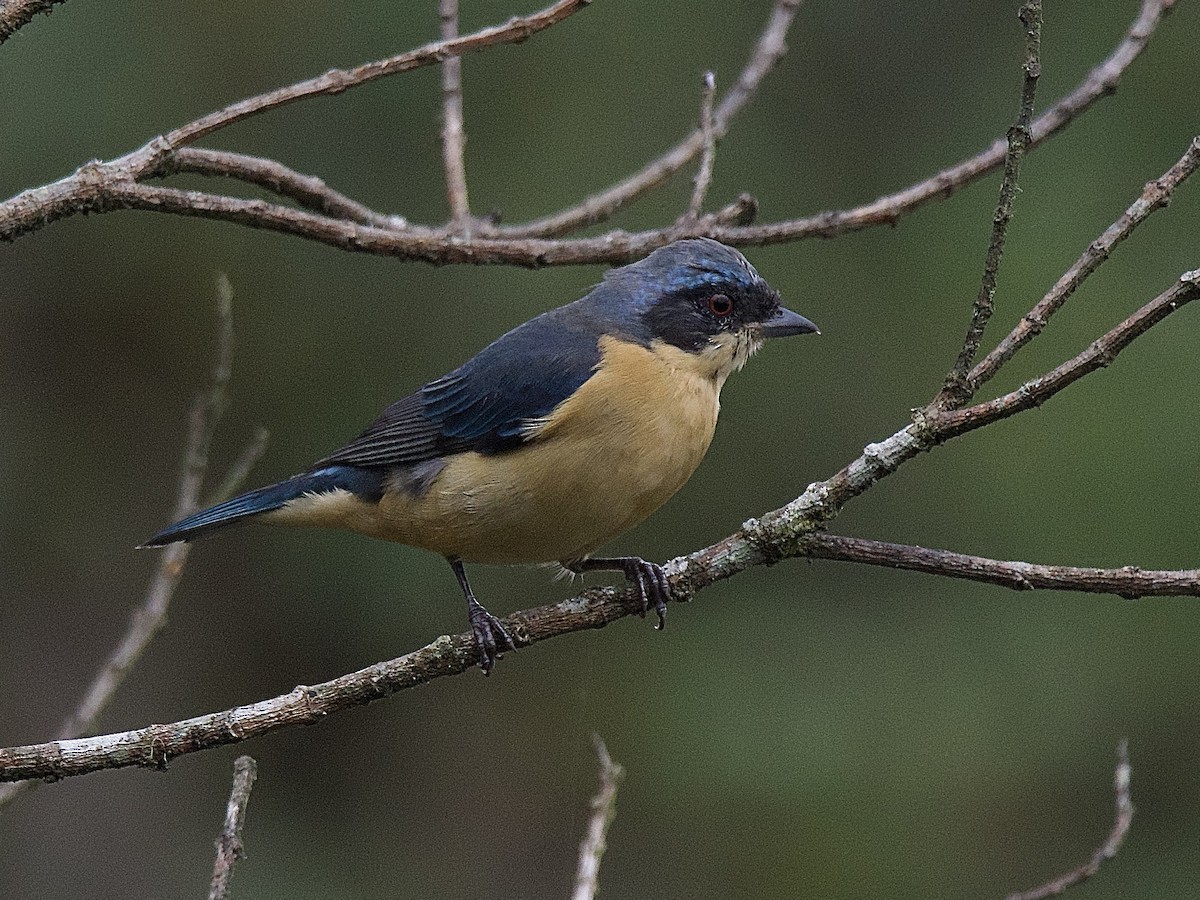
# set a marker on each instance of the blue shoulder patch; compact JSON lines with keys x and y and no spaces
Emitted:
{"x":484,"y":404}
{"x":524,"y":375}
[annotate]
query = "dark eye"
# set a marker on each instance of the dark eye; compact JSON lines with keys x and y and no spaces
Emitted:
{"x":720,"y":305}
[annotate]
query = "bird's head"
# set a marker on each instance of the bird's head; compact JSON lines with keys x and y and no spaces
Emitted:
{"x":705,"y":299}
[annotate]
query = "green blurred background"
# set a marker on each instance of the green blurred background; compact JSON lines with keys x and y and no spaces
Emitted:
{"x":819,"y":729}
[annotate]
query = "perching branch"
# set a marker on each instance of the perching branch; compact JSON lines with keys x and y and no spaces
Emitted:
{"x":956,"y":391}
{"x":229,"y":844}
{"x":782,"y":534}
{"x":1122,"y":819}
{"x":16,"y":14}
{"x":786,"y":532}
{"x":118,"y":184}
{"x":149,"y":618}
{"x":604,"y":810}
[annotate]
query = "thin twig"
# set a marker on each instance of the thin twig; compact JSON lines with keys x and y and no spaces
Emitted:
{"x":604,"y":810}
{"x":1100,"y":353}
{"x":956,"y":390}
{"x":1155,"y":196}
{"x":887,"y":210}
{"x":16,"y":14}
{"x":454,"y":136}
{"x":307,"y":190}
{"x":229,"y":844}
{"x":1122,"y":819}
{"x":149,"y":618}
{"x":708,"y":157}
{"x":239,"y":471}
{"x":1129,"y":582}
{"x":768,"y":50}
{"x":335,"y":81}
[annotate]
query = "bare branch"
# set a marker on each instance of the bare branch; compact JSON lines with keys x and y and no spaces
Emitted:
{"x":229,"y":844}
{"x":454,"y":136}
{"x":1122,"y":819}
{"x":887,"y":210}
{"x":1129,"y":582}
{"x":149,"y":618}
{"x":956,"y":390}
{"x":1102,"y":352}
{"x":1155,"y":196}
{"x":307,"y":190}
{"x":769,"y":49}
{"x":16,"y":14}
{"x":708,"y":158}
{"x":335,"y":81}
{"x":240,"y":470}
{"x":604,"y":810}
{"x":93,"y":186}
{"x":101,"y":187}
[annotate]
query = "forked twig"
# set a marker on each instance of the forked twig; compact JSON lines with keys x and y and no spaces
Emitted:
{"x":956,"y":389}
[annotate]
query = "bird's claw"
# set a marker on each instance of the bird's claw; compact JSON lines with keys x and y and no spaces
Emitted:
{"x":650,"y":583}
{"x":491,"y":637}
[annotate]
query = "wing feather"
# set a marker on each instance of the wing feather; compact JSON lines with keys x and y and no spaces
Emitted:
{"x":486,"y":404}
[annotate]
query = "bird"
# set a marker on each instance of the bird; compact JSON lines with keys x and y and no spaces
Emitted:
{"x":551,"y":441}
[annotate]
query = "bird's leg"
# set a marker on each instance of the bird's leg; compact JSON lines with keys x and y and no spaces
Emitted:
{"x":491,"y":637}
{"x":649,"y":580}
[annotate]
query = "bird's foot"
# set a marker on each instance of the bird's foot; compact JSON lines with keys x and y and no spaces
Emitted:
{"x":491,"y":637}
{"x":650,"y":584}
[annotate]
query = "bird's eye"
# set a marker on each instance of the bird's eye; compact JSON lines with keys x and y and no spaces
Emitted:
{"x":720,"y":305}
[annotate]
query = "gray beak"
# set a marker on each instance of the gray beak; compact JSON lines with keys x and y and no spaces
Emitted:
{"x":785,"y":322}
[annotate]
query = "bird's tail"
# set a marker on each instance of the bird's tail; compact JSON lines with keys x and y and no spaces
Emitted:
{"x":266,"y":499}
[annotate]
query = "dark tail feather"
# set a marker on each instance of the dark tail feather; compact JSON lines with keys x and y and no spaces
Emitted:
{"x":365,"y":483}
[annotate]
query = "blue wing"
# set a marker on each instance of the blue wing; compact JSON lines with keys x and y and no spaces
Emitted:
{"x":485,"y":404}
